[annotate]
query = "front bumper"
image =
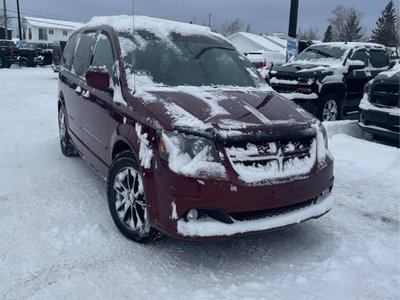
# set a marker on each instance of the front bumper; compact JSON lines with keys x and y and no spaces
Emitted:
{"x":208,"y":227}
{"x":170,"y":196}
{"x":382,"y":122}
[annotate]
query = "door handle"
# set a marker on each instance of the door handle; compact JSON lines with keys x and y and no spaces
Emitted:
{"x":78,"y":90}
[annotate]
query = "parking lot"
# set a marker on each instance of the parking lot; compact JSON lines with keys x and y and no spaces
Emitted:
{"x":58,"y":240}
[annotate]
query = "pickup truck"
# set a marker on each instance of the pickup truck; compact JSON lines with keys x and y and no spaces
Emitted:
{"x":7,"y":50}
{"x":328,"y":79}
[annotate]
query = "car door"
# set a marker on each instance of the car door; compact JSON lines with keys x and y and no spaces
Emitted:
{"x":98,"y":103}
{"x":379,"y":61}
{"x":356,"y":79}
{"x":68,"y":85}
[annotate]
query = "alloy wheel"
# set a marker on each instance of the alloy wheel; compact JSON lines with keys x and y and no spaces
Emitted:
{"x":330,"y":111}
{"x":130,"y":202}
{"x":61,"y":125}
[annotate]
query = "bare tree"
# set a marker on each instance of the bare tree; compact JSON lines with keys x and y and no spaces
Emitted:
{"x":309,"y":34}
{"x":231,"y":27}
{"x":342,"y":16}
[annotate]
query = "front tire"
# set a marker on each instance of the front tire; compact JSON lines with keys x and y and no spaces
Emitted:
{"x":127,"y":200}
{"x":329,"y":108}
{"x":67,"y":148}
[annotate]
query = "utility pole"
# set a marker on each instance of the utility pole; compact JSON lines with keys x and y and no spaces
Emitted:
{"x":5,"y":20}
{"x":209,"y":20}
{"x":294,"y":11}
{"x":19,"y":22}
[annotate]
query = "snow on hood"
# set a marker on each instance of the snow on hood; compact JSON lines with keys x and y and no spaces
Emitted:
{"x":392,"y":72}
{"x":228,"y":110}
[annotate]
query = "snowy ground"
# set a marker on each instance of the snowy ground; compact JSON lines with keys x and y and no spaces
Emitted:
{"x":57,"y":239}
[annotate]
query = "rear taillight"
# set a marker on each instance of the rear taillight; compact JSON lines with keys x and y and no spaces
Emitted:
{"x":264,"y":64}
{"x":12,"y":50}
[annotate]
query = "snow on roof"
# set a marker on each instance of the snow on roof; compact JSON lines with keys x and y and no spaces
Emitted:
{"x":260,"y":40}
{"x":350,"y":45}
{"x":277,"y":40}
{"x":52,"y":23}
{"x":160,"y":27}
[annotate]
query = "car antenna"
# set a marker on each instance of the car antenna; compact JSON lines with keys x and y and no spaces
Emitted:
{"x":134,"y":52}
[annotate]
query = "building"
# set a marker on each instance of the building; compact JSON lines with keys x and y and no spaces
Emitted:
{"x":2,"y":35}
{"x":247,"y":42}
{"x":40,"y":30}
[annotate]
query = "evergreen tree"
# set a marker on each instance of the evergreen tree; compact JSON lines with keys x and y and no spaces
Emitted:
{"x":353,"y":28}
{"x":328,"y":36}
{"x":387,"y":30}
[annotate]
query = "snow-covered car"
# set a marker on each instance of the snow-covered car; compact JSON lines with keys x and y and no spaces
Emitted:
{"x":191,"y":140}
{"x":327,"y":79}
{"x":379,"y":111}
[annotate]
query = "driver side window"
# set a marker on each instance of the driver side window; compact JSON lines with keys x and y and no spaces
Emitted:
{"x":103,"y":54}
{"x":362,"y":56}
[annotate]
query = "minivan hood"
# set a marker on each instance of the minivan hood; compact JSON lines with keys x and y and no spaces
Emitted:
{"x":231,"y":110}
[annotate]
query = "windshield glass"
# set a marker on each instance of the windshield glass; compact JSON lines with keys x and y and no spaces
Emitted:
{"x":186,"y":60}
{"x":319,"y":52}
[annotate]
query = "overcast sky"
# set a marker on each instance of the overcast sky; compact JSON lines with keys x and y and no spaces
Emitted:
{"x":265,"y":16}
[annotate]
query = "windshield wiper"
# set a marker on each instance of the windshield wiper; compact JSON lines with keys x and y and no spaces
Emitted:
{"x":212,"y":47}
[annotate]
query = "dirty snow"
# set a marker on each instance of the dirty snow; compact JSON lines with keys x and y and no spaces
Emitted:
{"x":58,"y":240}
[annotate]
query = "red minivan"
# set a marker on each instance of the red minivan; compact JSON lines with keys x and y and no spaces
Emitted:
{"x":192,"y":141}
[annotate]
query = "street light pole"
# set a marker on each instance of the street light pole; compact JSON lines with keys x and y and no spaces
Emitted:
{"x":294,"y":11}
{"x":19,"y":22}
{"x":5,"y":20}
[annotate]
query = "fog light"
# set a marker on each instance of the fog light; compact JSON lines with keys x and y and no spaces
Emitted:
{"x":192,"y":215}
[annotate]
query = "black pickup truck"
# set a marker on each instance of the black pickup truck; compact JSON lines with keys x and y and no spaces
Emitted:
{"x":7,"y":51}
{"x":328,"y":79}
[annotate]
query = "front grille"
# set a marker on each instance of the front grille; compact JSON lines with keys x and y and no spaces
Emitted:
{"x":273,"y":160}
{"x":267,"y":213}
{"x":386,"y":95}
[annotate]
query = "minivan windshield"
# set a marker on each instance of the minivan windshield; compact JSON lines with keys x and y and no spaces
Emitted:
{"x":191,"y":60}
{"x":319,"y":52}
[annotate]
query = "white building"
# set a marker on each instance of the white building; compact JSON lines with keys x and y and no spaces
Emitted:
{"x":247,"y":42}
{"x":40,"y":30}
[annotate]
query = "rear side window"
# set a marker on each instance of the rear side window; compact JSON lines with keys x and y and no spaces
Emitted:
{"x":83,"y":53}
{"x":103,"y":54}
{"x":378,"y":59}
{"x":69,"y":52}
{"x":361,"y":55}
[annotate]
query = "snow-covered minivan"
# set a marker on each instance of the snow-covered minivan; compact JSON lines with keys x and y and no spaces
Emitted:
{"x":191,"y":140}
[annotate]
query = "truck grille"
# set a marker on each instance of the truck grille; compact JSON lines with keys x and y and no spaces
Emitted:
{"x":273,"y":160}
{"x":386,"y":95}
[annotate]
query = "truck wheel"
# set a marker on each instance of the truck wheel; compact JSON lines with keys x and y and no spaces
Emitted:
{"x":67,"y":148}
{"x":2,"y":64}
{"x":329,"y":108}
{"x":127,"y":199}
{"x":23,"y":62}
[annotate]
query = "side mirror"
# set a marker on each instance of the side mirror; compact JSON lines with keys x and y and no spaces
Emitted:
{"x":98,"y":78}
{"x":355,"y":65}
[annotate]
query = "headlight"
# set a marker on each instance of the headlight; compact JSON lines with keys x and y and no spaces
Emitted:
{"x":190,"y":155}
{"x":176,"y":144}
{"x":308,"y":81}
{"x":367,"y":87}
{"x":324,"y":134}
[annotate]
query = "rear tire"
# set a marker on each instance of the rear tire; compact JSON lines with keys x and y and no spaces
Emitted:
{"x":2,"y":63}
{"x":329,"y":108}
{"x":67,"y":148}
{"x":127,"y":200}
